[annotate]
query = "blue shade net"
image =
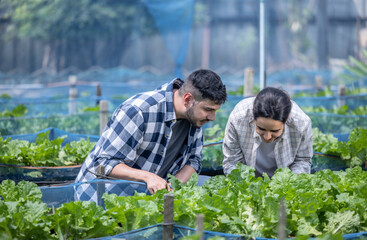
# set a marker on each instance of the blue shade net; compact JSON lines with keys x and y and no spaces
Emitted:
{"x":56,"y":195}
{"x":174,"y":20}
{"x":298,"y":77}
{"x":352,"y":101}
{"x":44,"y":175}
{"x":156,"y":232}
{"x":84,"y":123}
{"x":303,"y":81}
{"x":335,"y":123}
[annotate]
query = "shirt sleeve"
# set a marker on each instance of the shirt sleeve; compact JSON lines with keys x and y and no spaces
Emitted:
{"x":231,"y":148}
{"x":195,"y":158}
{"x":121,"y":139}
{"x":303,"y":159}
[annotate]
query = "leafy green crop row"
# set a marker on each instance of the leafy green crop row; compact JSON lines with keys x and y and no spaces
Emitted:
{"x":50,"y":153}
{"x":354,"y":152}
{"x":44,"y":152}
{"x":322,"y":203}
{"x":342,"y":110}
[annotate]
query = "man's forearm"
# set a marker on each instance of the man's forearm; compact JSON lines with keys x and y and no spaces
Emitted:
{"x":122,"y":171}
{"x":185,"y":173}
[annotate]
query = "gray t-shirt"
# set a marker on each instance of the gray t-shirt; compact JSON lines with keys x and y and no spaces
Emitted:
{"x":265,"y":159}
{"x":180,"y":131}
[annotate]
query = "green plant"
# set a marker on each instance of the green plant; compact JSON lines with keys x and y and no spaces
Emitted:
{"x":325,"y":204}
{"x":354,"y":152}
{"x":5,"y":96}
{"x":44,"y":152}
{"x":356,"y":69}
{"x":240,"y":89}
{"x":18,"y":111}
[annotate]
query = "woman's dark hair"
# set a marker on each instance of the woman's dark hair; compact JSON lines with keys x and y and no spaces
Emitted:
{"x":205,"y":84}
{"x":272,"y":103}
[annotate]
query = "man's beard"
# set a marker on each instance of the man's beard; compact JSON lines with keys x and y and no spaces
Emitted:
{"x":190,"y":116}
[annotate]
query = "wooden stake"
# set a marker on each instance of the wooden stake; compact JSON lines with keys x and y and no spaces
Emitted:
{"x":248,"y":85}
{"x":73,"y":94}
{"x":103,"y":115}
{"x":318,"y":82}
{"x":282,"y":226}
{"x":200,"y":226}
{"x":168,"y":217}
{"x":98,"y":93}
{"x":101,"y":188}
{"x":341,"y":93}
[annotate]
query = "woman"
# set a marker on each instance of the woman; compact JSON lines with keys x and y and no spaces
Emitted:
{"x":268,"y":132}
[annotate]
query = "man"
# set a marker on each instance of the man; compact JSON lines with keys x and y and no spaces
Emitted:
{"x":156,"y":133}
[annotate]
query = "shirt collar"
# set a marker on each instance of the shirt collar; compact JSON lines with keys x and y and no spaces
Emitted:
{"x":168,"y":88}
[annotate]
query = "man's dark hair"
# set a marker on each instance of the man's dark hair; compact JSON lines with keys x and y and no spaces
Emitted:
{"x":272,"y":103}
{"x":205,"y":84}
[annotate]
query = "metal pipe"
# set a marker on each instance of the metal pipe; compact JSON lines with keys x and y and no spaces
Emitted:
{"x":262,"y":47}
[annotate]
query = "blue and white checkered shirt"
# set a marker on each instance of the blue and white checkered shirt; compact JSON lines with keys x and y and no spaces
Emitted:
{"x":293,"y":149}
{"x":137,"y":135}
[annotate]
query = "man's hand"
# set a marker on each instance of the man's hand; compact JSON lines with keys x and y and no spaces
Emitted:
{"x":155,"y":183}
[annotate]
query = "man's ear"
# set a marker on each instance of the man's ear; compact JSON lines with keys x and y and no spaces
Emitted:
{"x":188,"y":98}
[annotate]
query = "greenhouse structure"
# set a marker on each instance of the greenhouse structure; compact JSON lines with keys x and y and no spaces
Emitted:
{"x":184,"y":119}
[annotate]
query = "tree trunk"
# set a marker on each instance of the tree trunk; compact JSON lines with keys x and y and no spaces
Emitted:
{"x":15,"y":45}
{"x":46,"y":56}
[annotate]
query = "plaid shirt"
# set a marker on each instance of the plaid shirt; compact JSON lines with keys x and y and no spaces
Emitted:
{"x":292,"y":150}
{"x":137,"y":135}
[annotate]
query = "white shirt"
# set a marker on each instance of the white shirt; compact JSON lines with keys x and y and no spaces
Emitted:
{"x":293,"y":149}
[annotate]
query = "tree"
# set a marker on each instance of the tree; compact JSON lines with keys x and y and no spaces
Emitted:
{"x":72,"y":28}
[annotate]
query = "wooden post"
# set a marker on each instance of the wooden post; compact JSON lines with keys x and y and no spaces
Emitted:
{"x":248,"y":85}
{"x":341,"y":94}
{"x":200,"y":226}
{"x":103,"y":115}
{"x":101,"y":188}
{"x":72,"y":80}
{"x":98,"y":93}
{"x":73,"y":94}
{"x":282,"y":220}
{"x":318,"y":82}
{"x":168,"y":217}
